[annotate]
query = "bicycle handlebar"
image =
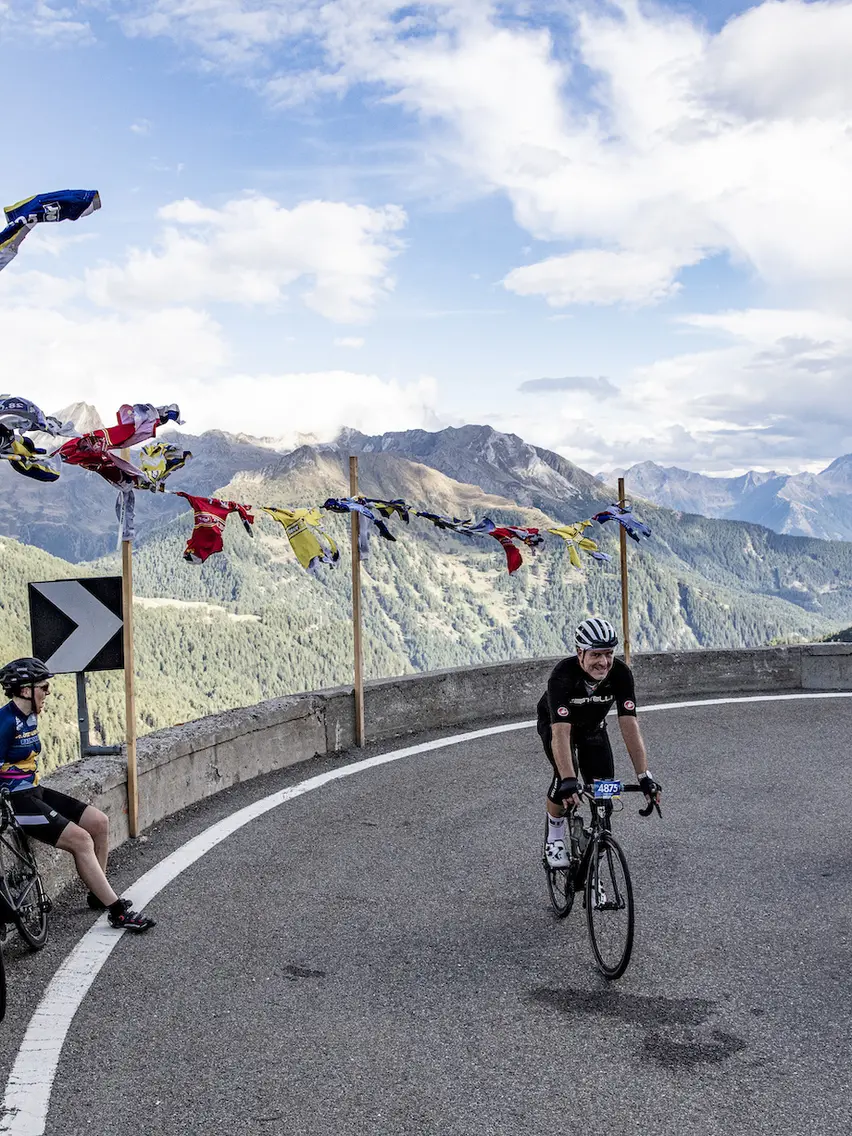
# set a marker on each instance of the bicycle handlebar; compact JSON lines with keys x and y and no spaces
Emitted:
{"x":588,"y":791}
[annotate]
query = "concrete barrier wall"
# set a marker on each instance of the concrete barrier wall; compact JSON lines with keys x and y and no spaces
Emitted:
{"x":187,"y":763}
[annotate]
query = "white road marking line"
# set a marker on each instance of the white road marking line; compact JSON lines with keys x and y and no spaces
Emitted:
{"x":27,"y":1097}
{"x":744,"y":698}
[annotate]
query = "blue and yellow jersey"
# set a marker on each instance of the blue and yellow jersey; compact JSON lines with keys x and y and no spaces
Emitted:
{"x":19,"y":748}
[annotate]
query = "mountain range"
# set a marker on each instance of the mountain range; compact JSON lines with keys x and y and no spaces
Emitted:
{"x":251,"y":624}
{"x":800,"y":504}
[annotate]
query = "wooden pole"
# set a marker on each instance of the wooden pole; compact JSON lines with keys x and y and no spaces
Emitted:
{"x":129,"y":687}
{"x":129,"y":691}
{"x":625,"y":617}
{"x":356,"y":607}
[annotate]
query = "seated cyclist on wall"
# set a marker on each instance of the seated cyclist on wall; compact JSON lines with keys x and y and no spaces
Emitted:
{"x":47,"y":815}
{"x":571,"y":722}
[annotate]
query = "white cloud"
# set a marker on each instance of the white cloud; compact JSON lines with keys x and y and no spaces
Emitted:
{"x":689,"y":144}
{"x":595,"y":276}
{"x":231,"y":32}
{"x":349,"y":341}
{"x":32,"y":289}
{"x":181,"y":355}
{"x":598,"y":386}
{"x":804,"y":73}
{"x":55,"y":239}
{"x":252,"y":250}
{"x":55,"y":357}
{"x":43,"y":22}
{"x":141,"y":126}
{"x":287,"y":406}
{"x":769,"y":397}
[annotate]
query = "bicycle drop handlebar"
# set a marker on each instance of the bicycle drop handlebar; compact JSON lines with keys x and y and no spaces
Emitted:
{"x":588,"y":791}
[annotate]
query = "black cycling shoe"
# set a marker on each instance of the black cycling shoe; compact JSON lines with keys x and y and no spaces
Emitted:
{"x":131,"y":921}
{"x":97,"y":905}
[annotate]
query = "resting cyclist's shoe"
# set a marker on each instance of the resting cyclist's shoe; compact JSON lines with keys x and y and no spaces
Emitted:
{"x":556,"y":854}
{"x":130,"y":921}
{"x":98,"y":904}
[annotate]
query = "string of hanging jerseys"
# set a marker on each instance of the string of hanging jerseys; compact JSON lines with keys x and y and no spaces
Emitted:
{"x":314,"y":548}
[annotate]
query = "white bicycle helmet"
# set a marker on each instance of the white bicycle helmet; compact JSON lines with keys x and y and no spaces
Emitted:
{"x":595,"y":635}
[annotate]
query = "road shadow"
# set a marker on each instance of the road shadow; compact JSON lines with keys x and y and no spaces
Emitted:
{"x":673,"y":1038}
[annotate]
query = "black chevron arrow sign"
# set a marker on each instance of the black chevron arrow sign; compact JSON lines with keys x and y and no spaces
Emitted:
{"x":77,"y":624}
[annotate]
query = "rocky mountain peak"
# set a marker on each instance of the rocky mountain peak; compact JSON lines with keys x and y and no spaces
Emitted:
{"x":840,"y":470}
{"x":84,"y":416}
{"x":754,"y":479}
{"x":498,"y":463}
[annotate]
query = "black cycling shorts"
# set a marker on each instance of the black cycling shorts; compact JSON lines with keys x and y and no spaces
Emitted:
{"x":45,"y":813}
{"x":592,"y":754}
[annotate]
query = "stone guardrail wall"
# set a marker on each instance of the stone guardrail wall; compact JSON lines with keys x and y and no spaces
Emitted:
{"x":184,"y":764}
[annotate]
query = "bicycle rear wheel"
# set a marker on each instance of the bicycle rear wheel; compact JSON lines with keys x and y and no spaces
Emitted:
{"x":18,"y":865}
{"x":560,"y":886}
{"x":609,"y":906}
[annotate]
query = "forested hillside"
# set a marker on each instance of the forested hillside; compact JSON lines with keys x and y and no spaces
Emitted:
{"x":251,"y":624}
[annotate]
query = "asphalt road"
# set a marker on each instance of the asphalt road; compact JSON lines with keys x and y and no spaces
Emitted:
{"x":379,"y":957}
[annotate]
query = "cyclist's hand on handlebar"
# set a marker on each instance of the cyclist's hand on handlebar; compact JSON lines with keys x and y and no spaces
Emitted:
{"x":650,"y":787}
{"x":568,"y":791}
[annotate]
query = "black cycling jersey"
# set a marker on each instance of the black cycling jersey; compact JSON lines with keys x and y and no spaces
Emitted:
{"x":573,"y":697}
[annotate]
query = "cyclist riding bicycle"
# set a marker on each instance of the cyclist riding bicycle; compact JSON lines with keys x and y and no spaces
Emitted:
{"x":50,"y":816}
{"x":572,"y":725}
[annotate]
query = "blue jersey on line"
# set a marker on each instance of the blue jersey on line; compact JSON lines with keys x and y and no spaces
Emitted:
{"x":19,"y":748}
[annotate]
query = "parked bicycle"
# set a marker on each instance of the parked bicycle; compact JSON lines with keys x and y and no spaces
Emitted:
{"x":2,"y":986}
{"x":598,"y":868}
{"x":23,"y":901}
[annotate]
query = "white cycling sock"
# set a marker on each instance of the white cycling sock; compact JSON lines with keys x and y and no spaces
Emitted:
{"x":555,"y":828}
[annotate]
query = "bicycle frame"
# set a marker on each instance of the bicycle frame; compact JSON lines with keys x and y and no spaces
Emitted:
{"x":601,"y":811}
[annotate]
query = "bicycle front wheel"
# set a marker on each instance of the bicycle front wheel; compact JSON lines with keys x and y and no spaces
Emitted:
{"x":609,"y":906}
{"x":27,"y":891}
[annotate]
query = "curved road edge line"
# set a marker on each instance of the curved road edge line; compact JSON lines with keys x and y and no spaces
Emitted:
{"x":27,"y":1097}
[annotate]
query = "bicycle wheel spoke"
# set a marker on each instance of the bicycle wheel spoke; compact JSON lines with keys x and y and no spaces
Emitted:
{"x":609,"y":908}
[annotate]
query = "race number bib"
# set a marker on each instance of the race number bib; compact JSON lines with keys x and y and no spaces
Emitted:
{"x":604,"y":790}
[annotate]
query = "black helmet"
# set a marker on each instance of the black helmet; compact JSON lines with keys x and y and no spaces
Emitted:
{"x":595,"y":635}
{"x":22,"y":672}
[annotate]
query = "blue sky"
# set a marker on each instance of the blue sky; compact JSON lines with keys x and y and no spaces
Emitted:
{"x":353,"y":213}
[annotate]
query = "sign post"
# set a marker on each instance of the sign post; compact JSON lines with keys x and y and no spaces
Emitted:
{"x":129,"y":688}
{"x":126,"y":508}
{"x":625,"y":616}
{"x":356,"y":607}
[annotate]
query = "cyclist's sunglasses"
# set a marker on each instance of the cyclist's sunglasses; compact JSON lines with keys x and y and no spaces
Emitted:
{"x":43,"y":686}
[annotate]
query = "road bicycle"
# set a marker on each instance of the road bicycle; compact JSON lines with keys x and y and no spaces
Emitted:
{"x":23,"y":901}
{"x":2,"y":987}
{"x":598,"y":869}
